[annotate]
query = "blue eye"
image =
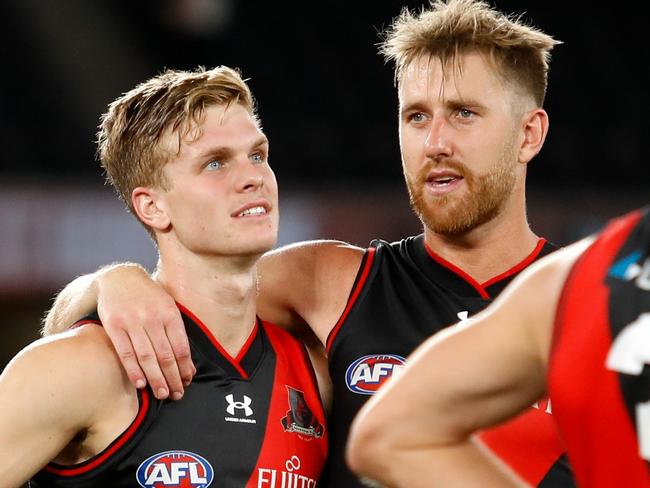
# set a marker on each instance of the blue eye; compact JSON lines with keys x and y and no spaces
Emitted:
{"x":257,"y":158}
{"x":214,"y":164}
{"x":465,"y":113}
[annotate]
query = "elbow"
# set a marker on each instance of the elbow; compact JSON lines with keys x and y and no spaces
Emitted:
{"x":369,"y":446}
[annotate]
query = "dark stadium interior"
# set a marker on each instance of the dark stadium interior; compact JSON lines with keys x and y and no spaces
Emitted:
{"x":327,"y":102}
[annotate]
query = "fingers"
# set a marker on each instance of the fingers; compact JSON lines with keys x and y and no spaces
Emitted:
{"x":147,"y":329}
{"x":165,"y":362}
{"x":180,"y":346}
{"x":148,"y":361}
{"x":127,"y":356}
{"x":154,"y":350}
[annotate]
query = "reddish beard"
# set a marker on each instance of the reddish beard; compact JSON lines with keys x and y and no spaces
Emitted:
{"x":453,"y":215}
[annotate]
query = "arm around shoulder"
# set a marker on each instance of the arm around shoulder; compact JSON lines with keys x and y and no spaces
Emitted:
{"x":307,"y":283}
{"x":141,"y":319}
{"x":79,"y":298}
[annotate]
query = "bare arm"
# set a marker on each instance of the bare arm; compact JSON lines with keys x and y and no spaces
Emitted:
{"x":141,"y":319}
{"x":48,"y":395}
{"x":77,"y":299}
{"x":417,"y":430}
{"x":304,"y":287}
{"x":302,"y":284}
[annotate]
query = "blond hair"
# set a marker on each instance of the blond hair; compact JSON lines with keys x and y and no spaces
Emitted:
{"x":131,"y":131}
{"x":520,"y":53}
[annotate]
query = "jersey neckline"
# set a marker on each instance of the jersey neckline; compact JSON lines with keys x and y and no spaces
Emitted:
{"x":457,"y":280}
{"x":243,"y":364}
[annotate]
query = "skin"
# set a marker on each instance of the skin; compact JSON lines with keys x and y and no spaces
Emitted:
{"x":55,"y":407}
{"x":40,"y":420}
{"x":208,"y":249}
{"x":427,"y":440}
{"x":464,"y":123}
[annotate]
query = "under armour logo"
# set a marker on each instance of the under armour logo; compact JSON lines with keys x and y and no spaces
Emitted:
{"x":465,"y":319}
{"x":245,"y":405}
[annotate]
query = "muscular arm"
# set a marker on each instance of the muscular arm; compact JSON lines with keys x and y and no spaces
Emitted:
{"x":77,"y":299}
{"x":80,"y":297}
{"x":303,"y":288}
{"x":47,"y":395}
{"x":417,"y":430}
{"x":128,"y":301}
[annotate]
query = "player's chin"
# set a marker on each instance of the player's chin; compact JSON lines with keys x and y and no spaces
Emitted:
{"x":260,"y":243}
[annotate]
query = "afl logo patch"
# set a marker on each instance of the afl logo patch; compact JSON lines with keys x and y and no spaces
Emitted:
{"x":368,"y":373}
{"x":175,"y":468}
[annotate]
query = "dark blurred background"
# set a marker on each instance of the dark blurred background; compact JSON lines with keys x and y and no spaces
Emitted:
{"x":328,"y":105}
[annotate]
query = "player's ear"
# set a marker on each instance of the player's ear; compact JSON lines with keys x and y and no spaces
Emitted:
{"x":148,"y":205}
{"x":535,"y":127}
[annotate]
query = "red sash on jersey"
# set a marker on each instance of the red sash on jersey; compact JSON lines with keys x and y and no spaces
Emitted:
{"x":588,"y":403}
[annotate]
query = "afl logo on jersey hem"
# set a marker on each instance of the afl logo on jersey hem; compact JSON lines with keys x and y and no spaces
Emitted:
{"x":175,"y":468}
{"x":365,"y":375}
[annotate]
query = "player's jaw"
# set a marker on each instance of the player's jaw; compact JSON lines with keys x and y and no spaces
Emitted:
{"x":256,"y":221}
{"x":450,"y":199}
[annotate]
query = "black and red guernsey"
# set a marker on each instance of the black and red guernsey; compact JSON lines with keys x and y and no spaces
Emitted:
{"x":598,"y":372}
{"x":405,"y":292}
{"x":252,"y":421}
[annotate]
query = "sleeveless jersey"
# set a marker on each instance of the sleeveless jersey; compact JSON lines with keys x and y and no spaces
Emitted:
{"x":404,"y":293}
{"x":251,"y":421}
{"x":598,"y":371}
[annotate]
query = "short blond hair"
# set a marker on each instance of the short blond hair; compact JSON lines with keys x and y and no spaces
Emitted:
{"x":131,"y":131}
{"x":520,"y":53}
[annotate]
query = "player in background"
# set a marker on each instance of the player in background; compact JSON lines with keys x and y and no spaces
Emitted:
{"x":575,"y":325}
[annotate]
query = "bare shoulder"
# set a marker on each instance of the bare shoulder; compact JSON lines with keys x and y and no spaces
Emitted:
{"x":328,"y":253}
{"x":55,"y":389}
{"x":80,"y":363}
{"x":78,"y":349}
{"x":307,"y":283}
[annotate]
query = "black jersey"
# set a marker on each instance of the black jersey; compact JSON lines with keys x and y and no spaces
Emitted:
{"x":251,"y":421}
{"x":599,"y":372}
{"x":405,"y":292}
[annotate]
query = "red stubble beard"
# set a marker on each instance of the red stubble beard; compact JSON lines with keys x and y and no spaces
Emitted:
{"x":485,"y":198}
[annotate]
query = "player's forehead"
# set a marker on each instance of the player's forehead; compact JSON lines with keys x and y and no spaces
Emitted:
{"x":225,"y":128}
{"x":468,"y":75}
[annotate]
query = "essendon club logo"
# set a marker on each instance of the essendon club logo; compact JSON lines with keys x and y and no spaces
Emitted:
{"x":300,"y":418}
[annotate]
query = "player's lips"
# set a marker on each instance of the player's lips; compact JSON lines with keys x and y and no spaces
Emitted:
{"x":442,"y":181}
{"x":252,"y":209}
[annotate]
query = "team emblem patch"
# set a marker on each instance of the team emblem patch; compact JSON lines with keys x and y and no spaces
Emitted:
{"x":181,"y":469}
{"x":300,"y":418}
{"x":365,"y":375}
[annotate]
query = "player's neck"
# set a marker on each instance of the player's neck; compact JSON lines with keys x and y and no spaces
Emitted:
{"x":220,"y":292}
{"x":488,"y":250}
